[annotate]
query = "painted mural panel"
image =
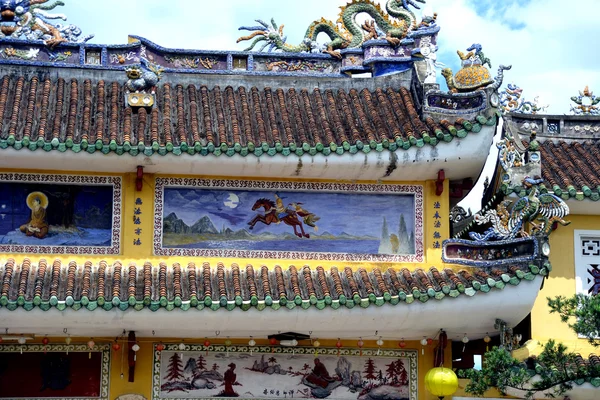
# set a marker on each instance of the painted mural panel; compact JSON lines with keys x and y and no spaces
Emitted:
{"x":203,"y":217}
{"x":54,"y":372}
{"x":60,"y":214}
{"x":287,"y":373}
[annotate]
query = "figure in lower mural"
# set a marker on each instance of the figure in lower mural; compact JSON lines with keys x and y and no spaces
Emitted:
{"x":319,"y":375}
{"x":37,"y":225}
{"x":230,"y":379}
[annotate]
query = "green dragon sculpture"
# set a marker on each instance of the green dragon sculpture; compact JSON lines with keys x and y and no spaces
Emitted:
{"x":394,"y":25}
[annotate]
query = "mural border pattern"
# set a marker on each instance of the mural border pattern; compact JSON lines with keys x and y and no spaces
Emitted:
{"x":115,"y":181}
{"x":326,"y":351}
{"x":230,"y":184}
{"x":63,"y":348}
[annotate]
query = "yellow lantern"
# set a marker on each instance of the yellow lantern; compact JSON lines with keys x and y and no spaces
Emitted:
{"x":441,"y":382}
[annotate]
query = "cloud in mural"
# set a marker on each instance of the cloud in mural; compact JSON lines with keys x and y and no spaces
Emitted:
{"x":232,"y":201}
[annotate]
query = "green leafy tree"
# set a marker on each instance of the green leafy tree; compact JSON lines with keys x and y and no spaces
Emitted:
{"x":556,"y":369}
{"x":581,"y":313}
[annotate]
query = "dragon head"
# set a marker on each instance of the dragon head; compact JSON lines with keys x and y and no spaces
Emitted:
{"x":11,"y":12}
{"x":133,"y":72}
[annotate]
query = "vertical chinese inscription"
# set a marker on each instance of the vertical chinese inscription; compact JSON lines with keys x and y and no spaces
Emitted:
{"x":137,"y":221}
{"x":437,"y":225}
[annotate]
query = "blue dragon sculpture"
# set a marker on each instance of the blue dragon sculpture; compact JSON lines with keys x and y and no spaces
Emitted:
{"x":393,"y":25}
{"x":540,"y":210}
{"x":143,"y":78}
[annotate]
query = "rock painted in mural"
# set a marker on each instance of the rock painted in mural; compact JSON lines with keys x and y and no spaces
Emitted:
{"x":55,"y":214}
{"x":199,"y":374}
{"x":289,"y":221}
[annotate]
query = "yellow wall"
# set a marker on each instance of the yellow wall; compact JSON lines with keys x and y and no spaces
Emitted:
{"x":561,"y":283}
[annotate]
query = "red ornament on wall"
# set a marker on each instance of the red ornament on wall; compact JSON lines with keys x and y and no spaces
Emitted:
{"x":45,"y":342}
{"x":402,"y":344}
{"x":116,"y":346}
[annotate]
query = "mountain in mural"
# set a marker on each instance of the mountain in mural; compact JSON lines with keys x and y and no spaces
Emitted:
{"x":204,"y":225}
{"x":172,"y":224}
{"x":400,"y":243}
{"x":176,"y":231}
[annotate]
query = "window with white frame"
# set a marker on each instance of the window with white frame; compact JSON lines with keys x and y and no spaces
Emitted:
{"x":587,"y":261}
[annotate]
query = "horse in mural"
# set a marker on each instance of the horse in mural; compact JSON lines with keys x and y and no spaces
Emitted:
{"x":271,"y":216}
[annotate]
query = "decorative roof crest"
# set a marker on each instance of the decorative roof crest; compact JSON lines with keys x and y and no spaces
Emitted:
{"x":511,"y":100}
{"x":585,"y":103}
{"x":473,"y":75}
{"x":533,"y":214}
{"x":393,"y":25}
{"x":29,"y":20}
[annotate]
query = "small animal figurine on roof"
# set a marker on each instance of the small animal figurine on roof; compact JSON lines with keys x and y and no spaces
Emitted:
{"x":141,"y":84}
{"x":473,"y":75}
{"x":393,"y":25}
{"x":585,"y":103}
{"x":29,"y":20}
{"x":144,"y":77}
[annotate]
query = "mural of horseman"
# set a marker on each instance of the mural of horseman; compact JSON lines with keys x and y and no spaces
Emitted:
{"x":276,"y":212}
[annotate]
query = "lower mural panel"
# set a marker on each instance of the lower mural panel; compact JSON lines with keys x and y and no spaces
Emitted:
{"x":302,"y":373}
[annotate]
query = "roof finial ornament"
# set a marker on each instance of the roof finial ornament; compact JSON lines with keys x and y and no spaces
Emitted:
{"x":473,"y":75}
{"x":585,"y":103}
{"x":511,"y":100}
{"x":30,"y":20}
{"x":142,"y":82}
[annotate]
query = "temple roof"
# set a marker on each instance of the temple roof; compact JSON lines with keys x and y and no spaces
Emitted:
{"x":230,"y":287}
{"x":569,"y":147}
{"x":89,"y":115}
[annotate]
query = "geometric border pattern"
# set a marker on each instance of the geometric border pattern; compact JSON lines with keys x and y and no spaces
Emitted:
{"x":61,"y":348}
{"x":487,"y":263}
{"x":162,"y":183}
{"x":381,"y":353}
{"x":116,"y":183}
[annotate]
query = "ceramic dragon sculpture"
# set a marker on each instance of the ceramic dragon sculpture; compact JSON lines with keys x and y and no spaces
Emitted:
{"x":30,"y":20}
{"x":540,"y":210}
{"x":143,"y":78}
{"x":392,"y":24}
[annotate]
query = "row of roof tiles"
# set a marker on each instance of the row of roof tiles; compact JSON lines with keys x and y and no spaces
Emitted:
{"x":87,"y":116}
{"x":571,"y":169}
{"x":116,"y":286}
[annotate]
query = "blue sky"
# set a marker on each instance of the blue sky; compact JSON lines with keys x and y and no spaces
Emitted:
{"x":550,"y":43}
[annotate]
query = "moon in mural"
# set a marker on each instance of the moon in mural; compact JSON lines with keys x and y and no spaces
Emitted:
{"x":232,"y":201}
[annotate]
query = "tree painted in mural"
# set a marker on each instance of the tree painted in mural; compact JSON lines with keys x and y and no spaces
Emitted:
{"x":175,"y":369}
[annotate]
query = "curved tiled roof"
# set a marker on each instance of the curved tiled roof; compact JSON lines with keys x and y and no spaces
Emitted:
{"x":571,"y":169}
{"x":106,"y":286}
{"x":86,"y":116}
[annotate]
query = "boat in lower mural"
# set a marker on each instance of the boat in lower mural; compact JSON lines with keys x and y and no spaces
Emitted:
{"x":304,"y":373}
